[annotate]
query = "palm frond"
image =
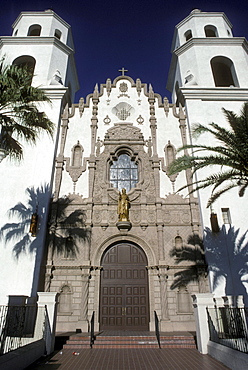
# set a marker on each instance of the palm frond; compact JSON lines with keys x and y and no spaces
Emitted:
{"x":20,"y":116}
{"x":230,"y":156}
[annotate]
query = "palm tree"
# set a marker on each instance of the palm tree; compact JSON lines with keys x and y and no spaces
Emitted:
{"x":20,"y":118}
{"x":231,"y":154}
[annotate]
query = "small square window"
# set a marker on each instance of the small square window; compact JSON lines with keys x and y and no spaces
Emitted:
{"x":226,"y":215}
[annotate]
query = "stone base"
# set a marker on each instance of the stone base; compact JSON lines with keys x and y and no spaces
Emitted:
{"x":169,"y":326}
{"x":124,"y":225}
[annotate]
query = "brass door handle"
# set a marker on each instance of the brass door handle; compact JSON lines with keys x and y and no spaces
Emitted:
{"x":124,"y":311}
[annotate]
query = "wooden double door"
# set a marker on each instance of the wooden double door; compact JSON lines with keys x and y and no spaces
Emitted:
{"x":124,"y":295}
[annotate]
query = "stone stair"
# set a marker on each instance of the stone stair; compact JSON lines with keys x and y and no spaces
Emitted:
{"x":80,"y":341}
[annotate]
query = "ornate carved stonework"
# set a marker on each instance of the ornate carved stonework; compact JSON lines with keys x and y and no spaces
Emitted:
{"x":140,"y":120}
{"x":123,"y":110}
{"x":113,"y":217}
{"x":156,"y":221}
{"x":126,"y":132}
{"x":135,"y":217}
{"x":107,"y":120}
{"x":151,"y":217}
{"x":97,"y":217}
{"x":123,"y":89}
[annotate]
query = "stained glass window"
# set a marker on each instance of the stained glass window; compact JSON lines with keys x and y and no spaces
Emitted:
{"x":124,"y":173}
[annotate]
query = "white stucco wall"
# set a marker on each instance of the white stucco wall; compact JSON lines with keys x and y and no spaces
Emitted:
{"x":21,"y":254}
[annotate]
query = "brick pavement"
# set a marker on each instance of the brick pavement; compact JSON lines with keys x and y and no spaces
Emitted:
{"x":130,"y":359}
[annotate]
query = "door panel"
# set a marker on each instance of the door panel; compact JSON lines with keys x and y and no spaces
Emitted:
{"x":124,"y":289}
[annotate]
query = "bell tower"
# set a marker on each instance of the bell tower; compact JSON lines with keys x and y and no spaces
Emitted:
{"x":208,"y":63}
{"x":208,"y":72}
{"x":43,"y":41}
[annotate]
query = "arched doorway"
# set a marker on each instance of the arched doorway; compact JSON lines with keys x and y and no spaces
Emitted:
{"x":124,"y":289}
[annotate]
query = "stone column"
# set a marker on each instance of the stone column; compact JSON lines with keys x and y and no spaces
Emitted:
{"x":60,"y":158}
{"x":192,"y":200}
{"x":49,"y":300}
{"x":200,"y":303}
{"x":163,"y":292}
{"x":85,"y":299}
{"x":160,"y":231}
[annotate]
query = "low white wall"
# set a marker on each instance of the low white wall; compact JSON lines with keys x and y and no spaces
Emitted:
{"x":233,"y":359}
{"x":22,"y":357}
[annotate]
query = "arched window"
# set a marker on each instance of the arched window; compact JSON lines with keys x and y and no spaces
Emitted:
{"x":188,"y":35}
{"x":57,"y":33}
{"x":124,"y":173}
{"x":34,"y":30}
{"x":178,"y":243}
{"x":223,"y":72}
{"x":210,"y":31}
{"x":170,"y":153}
{"x":178,"y":246}
{"x":28,"y":61}
{"x":77,"y":154}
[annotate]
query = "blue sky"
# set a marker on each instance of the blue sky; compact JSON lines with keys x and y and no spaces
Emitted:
{"x":133,"y":34}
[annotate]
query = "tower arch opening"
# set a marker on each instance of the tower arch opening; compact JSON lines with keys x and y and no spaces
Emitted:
{"x":26,"y":61}
{"x":188,"y":35}
{"x":34,"y":30}
{"x":210,"y":31}
{"x":57,"y":34}
{"x":223,"y":72}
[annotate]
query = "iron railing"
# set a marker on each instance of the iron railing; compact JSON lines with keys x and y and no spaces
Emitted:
{"x":157,"y":328}
{"x":20,"y":325}
{"x":92,"y":329}
{"x":228,"y":326}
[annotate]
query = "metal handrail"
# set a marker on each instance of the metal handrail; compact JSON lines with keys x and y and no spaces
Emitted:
{"x":92,"y":329}
{"x":157,"y":328}
{"x":21,"y":325}
{"x":228,"y":326}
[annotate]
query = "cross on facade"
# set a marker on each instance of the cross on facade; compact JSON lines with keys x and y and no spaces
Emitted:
{"x":123,"y":70}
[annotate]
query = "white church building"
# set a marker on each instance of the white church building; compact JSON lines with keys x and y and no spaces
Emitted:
{"x":122,"y":136}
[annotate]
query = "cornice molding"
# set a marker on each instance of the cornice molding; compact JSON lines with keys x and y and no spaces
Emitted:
{"x":200,"y":14}
{"x":48,"y":13}
{"x":212,"y":41}
{"x":215,"y":93}
{"x":54,"y":92}
{"x":30,"y":40}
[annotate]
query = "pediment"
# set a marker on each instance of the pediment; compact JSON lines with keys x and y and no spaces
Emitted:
{"x":175,"y":199}
{"x":124,"y":131}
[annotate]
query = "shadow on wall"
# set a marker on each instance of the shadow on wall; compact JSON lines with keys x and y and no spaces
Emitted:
{"x":67,"y":228}
{"x":18,"y":232}
{"x":193,"y":267}
{"x":227,"y":257}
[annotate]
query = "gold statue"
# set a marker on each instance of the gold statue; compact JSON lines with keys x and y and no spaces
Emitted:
{"x":123,"y":206}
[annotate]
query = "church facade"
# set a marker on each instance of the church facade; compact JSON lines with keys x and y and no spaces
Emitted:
{"x":117,"y":227}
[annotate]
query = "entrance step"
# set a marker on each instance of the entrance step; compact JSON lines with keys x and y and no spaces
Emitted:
{"x":131,"y":341}
{"x":78,"y":341}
